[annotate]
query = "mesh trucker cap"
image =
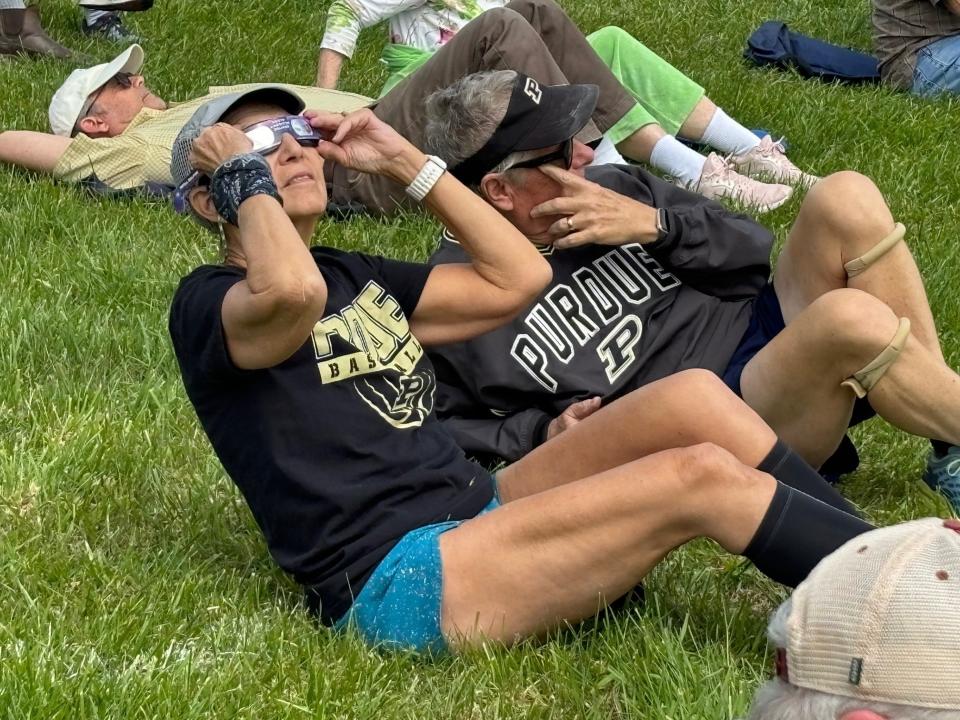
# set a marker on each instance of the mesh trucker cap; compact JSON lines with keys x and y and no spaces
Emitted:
{"x":879,"y":619}
{"x":537,"y":116}
{"x":69,"y":99}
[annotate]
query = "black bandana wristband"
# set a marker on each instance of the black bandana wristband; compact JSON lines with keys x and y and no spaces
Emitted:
{"x":239,"y":179}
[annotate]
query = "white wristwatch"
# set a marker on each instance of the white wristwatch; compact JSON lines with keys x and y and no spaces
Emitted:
{"x":423,"y":183}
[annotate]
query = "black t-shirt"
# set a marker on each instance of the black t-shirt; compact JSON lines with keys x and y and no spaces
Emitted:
{"x":337,"y":449}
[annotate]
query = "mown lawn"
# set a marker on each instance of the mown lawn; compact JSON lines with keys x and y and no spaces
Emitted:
{"x":133,"y":581}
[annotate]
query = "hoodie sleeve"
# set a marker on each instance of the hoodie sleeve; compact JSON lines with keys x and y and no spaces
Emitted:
{"x":707,"y":246}
{"x":479,"y":430}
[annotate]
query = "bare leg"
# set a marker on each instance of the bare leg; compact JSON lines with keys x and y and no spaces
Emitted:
{"x":841,"y":218}
{"x":685,"y":409}
{"x":794,"y":382}
{"x":560,"y":555}
{"x":639,"y":145}
{"x":698,"y":119}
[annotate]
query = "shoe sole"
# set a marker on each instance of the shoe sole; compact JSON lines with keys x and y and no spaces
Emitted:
{"x":126,"y":5}
{"x":756,"y":209}
{"x":761,"y":209}
{"x":804,"y":182}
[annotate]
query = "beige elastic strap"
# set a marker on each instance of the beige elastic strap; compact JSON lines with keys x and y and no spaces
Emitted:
{"x":858,"y":265}
{"x":864,"y":379}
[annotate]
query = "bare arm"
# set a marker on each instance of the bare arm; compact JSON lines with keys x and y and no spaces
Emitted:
{"x":952,"y":6}
{"x":459,"y":301}
{"x":505,"y":274}
{"x":269,"y":314}
{"x":345,"y":20}
{"x":32,"y":150}
{"x":328,"y":68}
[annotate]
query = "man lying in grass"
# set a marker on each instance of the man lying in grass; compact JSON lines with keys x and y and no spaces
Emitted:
{"x":112,"y":132}
{"x":650,"y":279}
{"x":307,"y":371}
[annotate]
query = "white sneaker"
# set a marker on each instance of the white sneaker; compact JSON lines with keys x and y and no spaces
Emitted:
{"x":719,"y":180}
{"x":767,"y":160}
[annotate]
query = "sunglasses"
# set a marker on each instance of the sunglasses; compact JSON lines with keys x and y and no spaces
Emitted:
{"x":266,"y":137}
{"x":122,"y":79}
{"x":564,"y":152}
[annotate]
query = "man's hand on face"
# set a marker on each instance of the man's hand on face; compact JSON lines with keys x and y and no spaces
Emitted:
{"x":572,"y":415}
{"x":362,"y":141}
{"x":217,"y":144}
{"x":592,"y":214}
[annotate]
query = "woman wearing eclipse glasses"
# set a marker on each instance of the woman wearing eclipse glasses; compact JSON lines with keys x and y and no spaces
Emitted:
{"x":306,"y":369}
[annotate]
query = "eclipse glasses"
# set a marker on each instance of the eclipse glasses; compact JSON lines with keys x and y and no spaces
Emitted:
{"x":266,"y":137}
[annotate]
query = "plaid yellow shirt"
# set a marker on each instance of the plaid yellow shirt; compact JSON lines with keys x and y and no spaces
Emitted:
{"x":141,"y":154}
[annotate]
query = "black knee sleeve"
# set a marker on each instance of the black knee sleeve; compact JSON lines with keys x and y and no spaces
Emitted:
{"x":796,"y":533}
{"x":791,"y":469}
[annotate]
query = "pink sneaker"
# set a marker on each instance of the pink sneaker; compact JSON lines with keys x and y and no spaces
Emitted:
{"x":719,"y":180}
{"x":767,"y":160}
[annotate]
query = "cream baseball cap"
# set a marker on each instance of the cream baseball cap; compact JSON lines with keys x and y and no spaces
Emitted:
{"x":879,"y":618}
{"x":68,"y":101}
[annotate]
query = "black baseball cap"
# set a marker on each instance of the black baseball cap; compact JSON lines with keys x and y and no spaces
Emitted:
{"x":537,"y":116}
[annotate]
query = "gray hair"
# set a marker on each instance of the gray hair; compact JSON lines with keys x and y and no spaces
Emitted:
{"x":779,"y":700}
{"x":462,"y":117}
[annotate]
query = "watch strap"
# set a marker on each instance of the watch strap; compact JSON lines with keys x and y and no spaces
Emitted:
{"x":428,"y":176}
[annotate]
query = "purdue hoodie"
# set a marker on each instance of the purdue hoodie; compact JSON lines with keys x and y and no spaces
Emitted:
{"x":614,"y":318}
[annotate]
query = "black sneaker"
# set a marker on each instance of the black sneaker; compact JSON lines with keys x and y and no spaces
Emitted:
{"x":110,"y":27}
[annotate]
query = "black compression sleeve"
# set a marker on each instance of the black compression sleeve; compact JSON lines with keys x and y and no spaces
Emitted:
{"x":791,"y":469}
{"x":796,"y":533}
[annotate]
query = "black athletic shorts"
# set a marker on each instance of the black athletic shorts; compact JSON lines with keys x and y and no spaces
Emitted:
{"x":766,"y":322}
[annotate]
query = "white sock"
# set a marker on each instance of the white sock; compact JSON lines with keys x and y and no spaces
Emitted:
{"x":675,"y":158}
{"x":727,"y":135}
{"x":606,"y":154}
{"x":94,"y":15}
{"x":12,"y":5}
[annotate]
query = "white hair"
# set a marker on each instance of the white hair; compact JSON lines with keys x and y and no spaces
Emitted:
{"x":779,"y":700}
{"x":461,"y":118}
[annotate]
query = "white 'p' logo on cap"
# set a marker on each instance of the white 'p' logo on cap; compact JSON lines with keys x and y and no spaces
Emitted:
{"x":532,"y":90}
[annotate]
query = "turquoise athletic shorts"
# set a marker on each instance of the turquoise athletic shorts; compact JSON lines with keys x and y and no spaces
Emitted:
{"x":399,"y":606}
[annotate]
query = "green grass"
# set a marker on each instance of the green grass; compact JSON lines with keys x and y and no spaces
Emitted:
{"x":133,"y":581}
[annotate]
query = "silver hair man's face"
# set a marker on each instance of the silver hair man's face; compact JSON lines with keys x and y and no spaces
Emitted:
{"x":779,"y":700}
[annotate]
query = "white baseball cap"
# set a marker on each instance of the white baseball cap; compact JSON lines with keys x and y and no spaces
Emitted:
{"x":879,"y":619}
{"x":68,"y":101}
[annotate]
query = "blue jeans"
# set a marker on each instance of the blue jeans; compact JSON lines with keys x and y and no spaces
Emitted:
{"x":938,"y":68}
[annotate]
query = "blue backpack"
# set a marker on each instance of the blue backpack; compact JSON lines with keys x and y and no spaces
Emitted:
{"x":773,"y":43}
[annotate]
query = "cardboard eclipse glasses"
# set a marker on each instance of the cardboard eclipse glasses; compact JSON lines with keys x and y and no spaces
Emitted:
{"x":266,"y":137}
